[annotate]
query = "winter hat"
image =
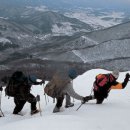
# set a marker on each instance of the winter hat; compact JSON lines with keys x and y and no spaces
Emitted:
{"x":72,"y":73}
{"x":18,"y":76}
{"x":115,"y":73}
{"x":33,"y":78}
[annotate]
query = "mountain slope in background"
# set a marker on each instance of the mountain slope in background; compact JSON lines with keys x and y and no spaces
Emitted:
{"x":53,"y":22}
{"x":114,"y":33}
{"x":93,"y":44}
{"x":13,"y":39}
{"x":99,"y":49}
{"x":31,"y":35}
{"x":40,"y":20}
{"x":98,"y":18}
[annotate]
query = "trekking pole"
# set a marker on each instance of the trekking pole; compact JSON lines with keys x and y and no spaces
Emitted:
{"x":45,"y":95}
{"x":91,"y":91}
{"x":45,"y":98}
{"x":73,"y":100}
{"x":2,"y":114}
{"x":38,"y":99}
{"x":79,"y":106}
{"x":0,"y":100}
{"x":84,"y":102}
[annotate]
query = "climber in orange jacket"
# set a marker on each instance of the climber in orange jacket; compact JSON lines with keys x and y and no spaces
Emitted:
{"x":104,"y":83}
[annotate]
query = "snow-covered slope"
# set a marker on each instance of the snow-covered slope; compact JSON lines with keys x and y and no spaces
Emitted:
{"x":97,"y":18}
{"x":112,"y":114}
{"x":120,"y":31}
{"x":109,"y":50}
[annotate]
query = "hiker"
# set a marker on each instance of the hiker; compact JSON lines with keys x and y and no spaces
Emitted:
{"x":21,"y":86}
{"x":104,"y":83}
{"x":60,"y":86}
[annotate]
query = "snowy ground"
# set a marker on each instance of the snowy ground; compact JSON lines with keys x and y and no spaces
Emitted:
{"x":113,"y":114}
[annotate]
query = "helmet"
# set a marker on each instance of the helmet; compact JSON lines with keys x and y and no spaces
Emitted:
{"x":72,"y":73}
{"x":115,"y":73}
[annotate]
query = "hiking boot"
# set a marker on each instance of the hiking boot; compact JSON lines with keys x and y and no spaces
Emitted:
{"x":17,"y":113}
{"x":69,"y":105}
{"x":99,"y":102}
{"x":56,"y":109}
{"x":34,"y":112}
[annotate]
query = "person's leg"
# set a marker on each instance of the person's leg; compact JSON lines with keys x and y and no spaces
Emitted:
{"x":99,"y":97}
{"x":33,"y":102}
{"x":100,"y":101}
{"x":68,"y":101}
{"x":18,"y":105}
{"x":58,"y":104}
{"x":59,"y":101}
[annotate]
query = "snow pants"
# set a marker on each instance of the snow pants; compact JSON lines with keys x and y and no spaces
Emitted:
{"x":19,"y":104}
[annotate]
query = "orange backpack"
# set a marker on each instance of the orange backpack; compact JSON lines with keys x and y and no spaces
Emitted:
{"x":101,"y":81}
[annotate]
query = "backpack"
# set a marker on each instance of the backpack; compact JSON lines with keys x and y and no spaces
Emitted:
{"x":101,"y":82}
{"x":15,"y":81}
{"x":56,"y":85}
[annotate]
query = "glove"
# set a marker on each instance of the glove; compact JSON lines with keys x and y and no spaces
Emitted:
{"x":85,"y":99}
{"x":126,"y":80}
{"x":42,"y":82}
{"x":1,"y":89}
{"x":36,"y":99}
{"x":127,"y":76}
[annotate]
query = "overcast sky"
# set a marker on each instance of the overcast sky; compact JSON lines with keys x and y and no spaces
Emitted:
{"x":120,"y":5}
{"x":94,"y":2}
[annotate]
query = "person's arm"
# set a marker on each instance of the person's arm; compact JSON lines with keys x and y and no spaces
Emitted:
{"x":122,"y":85}
{"x":117,"y":86}
{"x":38,"y":82}
{"x":70,"y":91}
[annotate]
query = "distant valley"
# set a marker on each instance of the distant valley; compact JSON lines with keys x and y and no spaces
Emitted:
{"x":35,"y":38}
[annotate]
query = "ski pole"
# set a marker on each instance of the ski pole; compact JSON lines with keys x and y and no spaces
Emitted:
{"x":38,"y":99}
{"x":45,"y":98}
{"x":0,"y":95}
{"x":79,"y":106}
{"x":0,"y":100}
{"x":91,"y":91}
{"x":1,"y":113}
{"x":73,"y":100}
